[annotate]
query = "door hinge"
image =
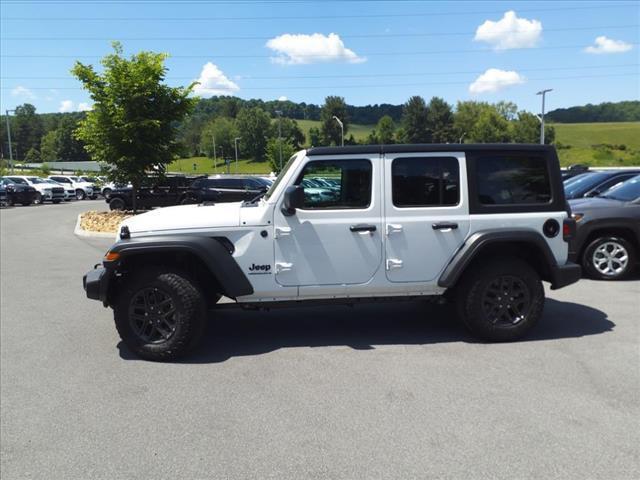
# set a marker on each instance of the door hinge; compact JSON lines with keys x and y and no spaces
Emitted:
{"x":283,"y":267}
{"x":282,"y":232}
{"x":393,"y":263}
{"x":393,"y":228}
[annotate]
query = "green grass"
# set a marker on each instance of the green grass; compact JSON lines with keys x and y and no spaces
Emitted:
{"x":205,"y":165}
{"x":360,"y":132}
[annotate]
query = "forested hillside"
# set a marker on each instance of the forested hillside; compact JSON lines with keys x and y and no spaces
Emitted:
{"x":603,"y":112}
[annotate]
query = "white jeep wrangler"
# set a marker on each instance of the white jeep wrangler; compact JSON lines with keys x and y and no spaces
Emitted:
{"x":481,"y":224}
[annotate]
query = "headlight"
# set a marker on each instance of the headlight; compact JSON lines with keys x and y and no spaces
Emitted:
{"x":577,"y":216}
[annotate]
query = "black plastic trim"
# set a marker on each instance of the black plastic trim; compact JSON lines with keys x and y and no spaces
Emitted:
{"x":210,"y":251}
{"x":425,"y":147}
{"x":476,"y":242}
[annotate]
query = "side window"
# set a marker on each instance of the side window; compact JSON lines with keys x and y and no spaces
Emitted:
{"x":509,"y":180}
{"x":425,"y":181}
{"x":336,"y":184}
{"x":612,"y":182}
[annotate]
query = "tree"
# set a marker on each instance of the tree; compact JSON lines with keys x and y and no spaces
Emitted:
{"x":32,"y":156}
{"x":272,"y":152}
{"x":26,"y":129}
{"x":225,"y":131}
{"x":491,"y":127}
{"x":526,"y":129}
{"x":315,"y":137}
{"x":49,"y":147}
{"x":439,"y":121}
{"x":414,"y":121}
{"x":131,"y":127}
{"x":68,"y":147}
{"x":331,"y":131}
{"x":385,"y":130}
{"x":290,"y":131}
{"x":253,"y":125}
{"x":507,"y":109}
{"x":467,"y":116}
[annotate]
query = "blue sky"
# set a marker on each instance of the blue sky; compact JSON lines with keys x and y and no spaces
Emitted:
{"x":380,"y":51}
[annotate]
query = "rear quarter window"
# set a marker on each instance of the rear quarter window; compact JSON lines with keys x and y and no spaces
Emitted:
{"x":509,"y":180}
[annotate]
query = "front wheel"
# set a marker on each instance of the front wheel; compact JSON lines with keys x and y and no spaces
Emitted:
{"x":609,"y":258}
{"x":37,"y":199}
{"x":160,"y":314}
{"x":116,"y":204}
{"x":56,"y":201}
{"x":501,"y":301}
{"x":80,"y":195}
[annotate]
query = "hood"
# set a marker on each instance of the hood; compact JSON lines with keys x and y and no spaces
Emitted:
{"x":580,"y":204}
{"x":186,"y":217}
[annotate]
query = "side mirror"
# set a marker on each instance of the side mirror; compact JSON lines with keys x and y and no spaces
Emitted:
{"x":293,"y":199}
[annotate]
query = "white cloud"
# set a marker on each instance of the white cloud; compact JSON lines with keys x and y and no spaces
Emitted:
{"x":294,"y":49}
{"x":213,"y":82}
{"x":84,"y":106}
{"x":21,"y":91}
{"x":608,"y":45}
{"x":509,"y":32}
{"x":282,"y":99}
{"x":494,"y":80}
{"x":66,"y":106}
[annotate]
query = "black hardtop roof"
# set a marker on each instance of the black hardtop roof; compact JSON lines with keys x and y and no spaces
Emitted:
{"x":428,"y":147}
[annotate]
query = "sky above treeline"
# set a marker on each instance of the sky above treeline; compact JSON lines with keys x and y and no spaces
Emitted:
{"x":366,"y":51}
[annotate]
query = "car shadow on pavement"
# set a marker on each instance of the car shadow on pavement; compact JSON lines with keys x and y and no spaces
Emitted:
{"x":231,"y":333}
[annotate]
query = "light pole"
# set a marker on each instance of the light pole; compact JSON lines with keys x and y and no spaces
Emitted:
{"x":235,"y":144}
{"x":215,"y":160}
{"x":9,"y":139}
{"x":341,"y":129}
{"x":279,"y":113}
{"x":462,"y":137}
{"x":543,"y":93}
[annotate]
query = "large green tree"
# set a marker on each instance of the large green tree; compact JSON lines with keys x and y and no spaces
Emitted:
{"x":253,"y":125}
{"x":132,"y":126}
{"x":414,"y":121}
{"x":491,"y":127}
{"x":290,"y":131}
{"x":26,"y":130}
{"x":439,"y":121}
{"x":331,"y":131}
{"x":224,"y":131}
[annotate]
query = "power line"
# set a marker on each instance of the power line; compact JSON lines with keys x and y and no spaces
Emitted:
{"x":313,"y":17}
{"x":363,"y":35}
{"x":367,"y":75}
{"x":386,"y":85}
{"x":317,"y":56}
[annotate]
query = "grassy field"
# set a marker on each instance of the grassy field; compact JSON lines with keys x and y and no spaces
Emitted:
{"x":595,"y":144}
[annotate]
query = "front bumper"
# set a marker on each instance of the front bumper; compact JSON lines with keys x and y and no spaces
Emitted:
{"x":96,"y":284}
{"x":563,"y":275}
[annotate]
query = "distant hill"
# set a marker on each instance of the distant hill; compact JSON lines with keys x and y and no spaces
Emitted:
{"x":628,"y":111}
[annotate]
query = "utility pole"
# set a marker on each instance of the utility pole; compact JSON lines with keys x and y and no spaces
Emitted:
{"x":235,"y":142}
{"x":215,"y":160}
{"x":543,"y":93}
{"x":279,"y":113}
{"x":9,"y":139}
{"x":341,"y":129}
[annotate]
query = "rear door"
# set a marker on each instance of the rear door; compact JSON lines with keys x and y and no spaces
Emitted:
{"x":426,"y":213}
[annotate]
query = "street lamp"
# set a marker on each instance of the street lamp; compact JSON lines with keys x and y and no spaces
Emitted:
{"x":215,"y":160}
{"x":541,"y":118}
{"x":235,"y":144}
{"x":341,"y":129}
{"x":279,"y":114}
{"x":9,"y":138}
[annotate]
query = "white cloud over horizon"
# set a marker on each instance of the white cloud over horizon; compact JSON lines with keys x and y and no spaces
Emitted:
{"x":300,"y":49}
{"x":84,"y":106}
{"x":604,"y":45}
{"x":494,"y":80}
{"x":510,"y":32}
{"x":23,"y":92}
{"x":213,"y":81}
{"x":66,"y":106}
{"x":282,"y":98}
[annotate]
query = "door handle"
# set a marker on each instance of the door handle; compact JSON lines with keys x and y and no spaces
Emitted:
{"x":444,"y":226}
{"x":362,"y":228}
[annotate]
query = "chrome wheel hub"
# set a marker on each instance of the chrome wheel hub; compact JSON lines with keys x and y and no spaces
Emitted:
{"x":610,"y":259}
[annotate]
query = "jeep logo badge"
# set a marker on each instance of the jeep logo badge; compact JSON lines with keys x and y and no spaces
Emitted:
{"x":259,"y":269}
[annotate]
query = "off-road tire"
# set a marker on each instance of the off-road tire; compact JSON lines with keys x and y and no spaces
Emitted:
{"x":80,"y":194}
{"x":474,"y":295}
{"x":588,"y":262}
{"x":116,"y":204}
{"x":189,"y":317}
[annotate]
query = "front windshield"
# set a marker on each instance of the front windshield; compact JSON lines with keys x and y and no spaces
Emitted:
{"x":36,"y":180}
{"x":581,"y":185}
{"x":280,"y":177}
{"x":625,"y":191}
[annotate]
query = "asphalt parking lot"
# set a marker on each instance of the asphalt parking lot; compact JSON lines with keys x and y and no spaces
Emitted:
{"x":384,"y":391}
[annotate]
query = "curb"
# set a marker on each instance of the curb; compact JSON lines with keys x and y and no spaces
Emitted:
{"x":80,"y":232}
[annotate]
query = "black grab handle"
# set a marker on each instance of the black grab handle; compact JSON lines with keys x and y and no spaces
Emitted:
{"x":362,"y":228}
{"x":444,"y":226}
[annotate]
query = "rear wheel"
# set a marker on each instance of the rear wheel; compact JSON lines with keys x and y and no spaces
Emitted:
{"x":37,"y":199}
{"x":116,"y":204}
{"x":609,"y":258}
{"x":106,"y":193}
{"x":80,"y":195}
{"x":160,"y":314}
{"x":501,"y":301}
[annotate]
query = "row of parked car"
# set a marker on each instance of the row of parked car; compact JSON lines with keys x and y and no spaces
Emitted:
{"x":29,"y":189}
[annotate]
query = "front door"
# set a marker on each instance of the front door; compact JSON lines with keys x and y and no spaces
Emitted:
{"x":426,"y":214}
{"x":335,"y":239}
